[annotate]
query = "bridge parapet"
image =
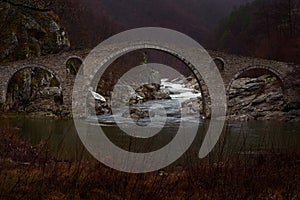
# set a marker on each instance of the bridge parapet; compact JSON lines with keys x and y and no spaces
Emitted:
{"x":233,"y":67}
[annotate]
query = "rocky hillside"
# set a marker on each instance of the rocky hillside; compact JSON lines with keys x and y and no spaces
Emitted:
{"x":259,"y":98}
{"x":28,"y":31}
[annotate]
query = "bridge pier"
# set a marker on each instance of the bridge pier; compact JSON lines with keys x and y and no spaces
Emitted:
{"x":231,"y":68}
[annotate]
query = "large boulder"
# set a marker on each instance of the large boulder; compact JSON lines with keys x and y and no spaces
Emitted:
{"x":260,"y":98}
{"x":28,"y":33}
{"x":152,"y":91}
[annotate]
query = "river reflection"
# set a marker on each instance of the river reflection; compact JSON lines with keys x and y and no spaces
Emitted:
{"x":239,"y":137}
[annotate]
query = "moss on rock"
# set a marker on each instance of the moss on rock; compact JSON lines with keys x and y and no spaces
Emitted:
{"x":29,"y":33}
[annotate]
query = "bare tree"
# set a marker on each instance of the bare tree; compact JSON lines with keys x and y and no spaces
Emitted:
{"x":36,"y":5}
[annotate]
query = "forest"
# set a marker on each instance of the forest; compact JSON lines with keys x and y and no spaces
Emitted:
{"x":263,"y":28}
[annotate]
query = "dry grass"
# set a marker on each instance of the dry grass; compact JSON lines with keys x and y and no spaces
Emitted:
{"x":28,"y":172}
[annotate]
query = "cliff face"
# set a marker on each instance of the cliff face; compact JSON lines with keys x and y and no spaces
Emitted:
{"x":28,"y":33}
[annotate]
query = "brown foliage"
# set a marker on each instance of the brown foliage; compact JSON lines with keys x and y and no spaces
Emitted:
{"x":269,"y":176}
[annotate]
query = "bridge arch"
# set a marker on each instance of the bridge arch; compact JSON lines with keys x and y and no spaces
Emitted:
{"x":260,"y":70}
{"x":179,"y":55}
{"x":72,"y":64}
{"x":220,"y":63}
{"x":21,"y":67}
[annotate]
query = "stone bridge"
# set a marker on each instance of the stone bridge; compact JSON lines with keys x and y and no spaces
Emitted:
{"x":55,"y":64}
{"x":231,"y":67}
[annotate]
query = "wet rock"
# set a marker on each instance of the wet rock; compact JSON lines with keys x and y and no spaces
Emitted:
{"x":194,"y":106}
{"x":136,"y":113}
{"x":274,"y":97}
{"x":48,"y":92}
{"x":152,"y":92}
{"x":242,"y":117}
{"x":275,"y":115}
{"x":102,"y":108}
{"x":291,"y":106}
{"x":162,"y":94}
{"x":123,"y":95}
{"x":241,"y":101}
{"x":258,"y":98}
{"x":294,"y":112}
{"x":152,"y":86}
{"x":192,"y":83}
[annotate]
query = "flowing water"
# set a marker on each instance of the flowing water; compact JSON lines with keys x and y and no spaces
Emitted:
{"x":239,"y":137}
{"x":242,"y":137}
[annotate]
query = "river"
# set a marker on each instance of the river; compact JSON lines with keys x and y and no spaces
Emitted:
{"x":247,"y":138}
{"x":242,"y":137}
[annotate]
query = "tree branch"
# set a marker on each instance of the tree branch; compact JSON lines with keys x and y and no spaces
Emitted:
{"x":26,"y":6}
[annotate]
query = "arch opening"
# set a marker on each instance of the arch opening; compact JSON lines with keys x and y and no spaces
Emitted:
{"x":73,"y":65}
{"x":33,"y":88}
{"x":163,"y":56}
{"x":257,"y":93}
{"x":169,"y":89}
{"x":220,"y":63}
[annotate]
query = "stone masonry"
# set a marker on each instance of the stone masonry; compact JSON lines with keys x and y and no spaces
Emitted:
{"x":231,"y":67}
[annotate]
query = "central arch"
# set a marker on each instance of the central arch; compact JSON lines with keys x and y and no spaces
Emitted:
{"x":133,"y":47}
{"x":182,"y":47}
{"x":25,"y":66}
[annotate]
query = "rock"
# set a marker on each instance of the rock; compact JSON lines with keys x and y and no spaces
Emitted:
{"x":180,"y":80}
{"x":29,"y":33}
{"x":294,"y":112}
{"x":192,"y":83}
{"x":265,"y":77}
{"x":152,"y":86}
{"x":252,"y":87}
{"x":241,"y":101}
{"x":243,"y":117}
{"x":122,"y":95}
{"x":136,"y":113}
{"x":258,"y":98}
{"x":267,"y":107}
{"x":194,"y":106}
{"x":102,"y":108}
{"x":276,"y":115}
{"x":48,"y":92}
{"x":162,"y":94}
{"x":291,"y":106}
{"x":274,"y":97}
{"x":152,"y":92}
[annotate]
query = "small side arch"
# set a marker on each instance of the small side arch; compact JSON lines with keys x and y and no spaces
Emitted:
{"x":257,"y":70}
{"x":220,"y":63}
{"x":21,"y":67}
{"x":73,"y":64}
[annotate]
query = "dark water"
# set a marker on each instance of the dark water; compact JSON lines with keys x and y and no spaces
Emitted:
{"x":238,"y":137}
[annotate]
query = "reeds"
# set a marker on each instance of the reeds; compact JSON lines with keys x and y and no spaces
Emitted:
{"x":29,"y":172}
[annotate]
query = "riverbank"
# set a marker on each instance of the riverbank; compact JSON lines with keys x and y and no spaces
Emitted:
{"x":35,"y":115}
{"x":261,"y":98}
{"x":30,"y":172}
